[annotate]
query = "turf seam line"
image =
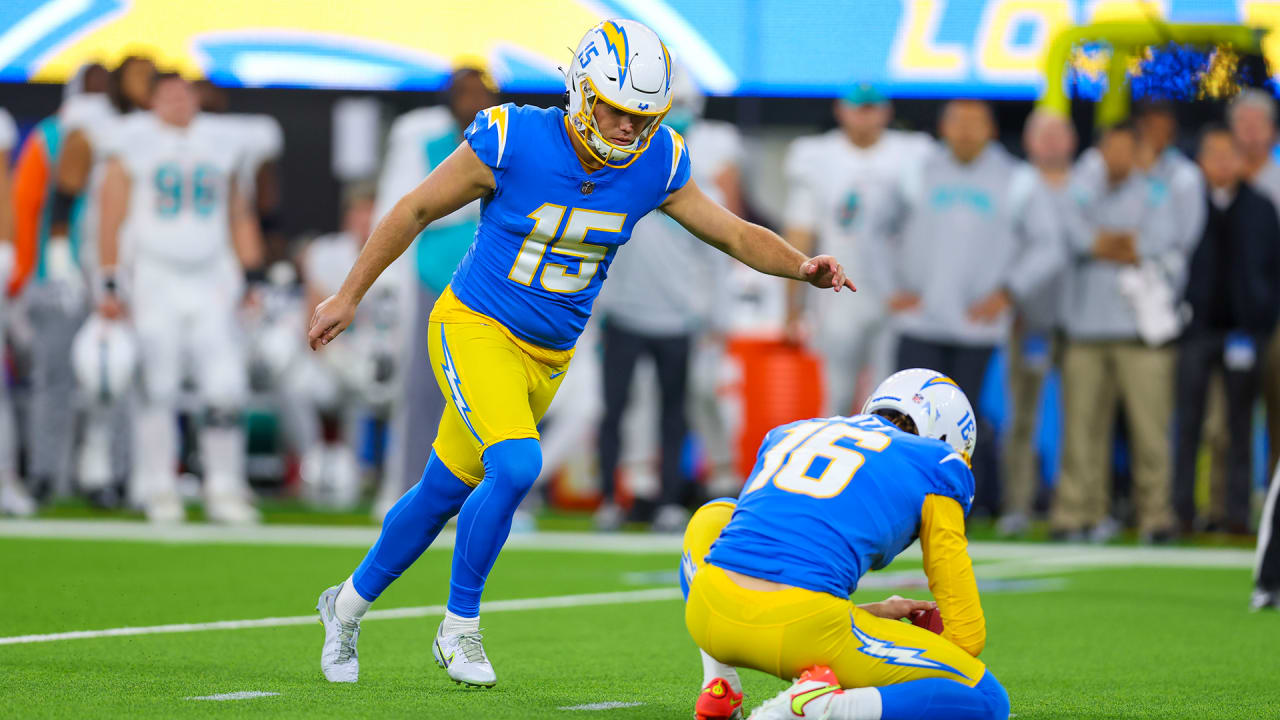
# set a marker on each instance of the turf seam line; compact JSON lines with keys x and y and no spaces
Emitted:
{"x":520,"y":604}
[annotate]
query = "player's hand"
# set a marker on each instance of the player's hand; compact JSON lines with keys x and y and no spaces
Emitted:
{"x":824,"y":272}
{"x":903,"y":302}
{"x":329,"y":320}
{"x":896,"y":608}
{"x":990,"y":308}
{"x":111,"y":307}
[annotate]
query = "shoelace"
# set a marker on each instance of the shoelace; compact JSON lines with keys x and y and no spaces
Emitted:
{"x":470,"y":647}
{"x":347,"y":640}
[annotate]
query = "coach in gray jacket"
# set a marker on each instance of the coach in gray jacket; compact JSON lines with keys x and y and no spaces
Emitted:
{"x":978,"y":233}
{"x":1126,"y":219}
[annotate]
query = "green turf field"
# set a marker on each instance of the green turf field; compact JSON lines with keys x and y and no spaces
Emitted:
{"x":1097,"y":642}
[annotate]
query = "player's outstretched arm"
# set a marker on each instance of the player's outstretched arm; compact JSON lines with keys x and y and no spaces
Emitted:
{"x":460,"y":179}
{"x":950,"y":573}
{"x":756,"y":246}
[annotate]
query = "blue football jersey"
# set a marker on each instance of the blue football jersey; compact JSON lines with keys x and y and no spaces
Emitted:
{"x":833,"y":498}
{"x":549,"y":231}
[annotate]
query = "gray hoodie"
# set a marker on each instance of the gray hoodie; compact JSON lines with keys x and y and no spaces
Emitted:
{"x":965,"y":232}
{"x":1153,"y":207}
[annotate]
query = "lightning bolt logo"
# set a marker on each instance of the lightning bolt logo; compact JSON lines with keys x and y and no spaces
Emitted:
{"x":688,"y":567}
{"x":666,"y":56}
{"x":615,"y":41}
{"x":896,"y":655}
{"x":497,"y":116}
{"x":677,"y":149}
{"x":455,"y":386}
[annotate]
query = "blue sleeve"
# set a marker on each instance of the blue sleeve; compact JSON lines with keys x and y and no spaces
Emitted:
{"x":680,"y":167}
{"x":951,"y":477}
{"x":490,"y":133}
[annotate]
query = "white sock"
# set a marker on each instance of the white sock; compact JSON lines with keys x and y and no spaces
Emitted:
{"x":854,"y":704}
{"x":713,"y":668}
{"x":456,"y":624}
{"x":349,"y":606}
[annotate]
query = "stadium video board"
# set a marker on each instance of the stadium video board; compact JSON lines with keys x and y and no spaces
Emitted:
{"x":734,"y":47}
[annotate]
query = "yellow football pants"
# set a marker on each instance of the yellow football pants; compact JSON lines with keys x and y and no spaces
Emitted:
{"x":496,"y":387}
{"x":786,"y":631}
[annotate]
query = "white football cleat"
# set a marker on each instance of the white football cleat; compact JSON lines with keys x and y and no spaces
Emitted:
{"x":338,"y":659}
{"x":809,"y":697}
{"x":462,"y":656}
{"x":165,"y":509}
{"x":231,"y":510}
{"x":14,"y":498}
{"x":1264,"y":600}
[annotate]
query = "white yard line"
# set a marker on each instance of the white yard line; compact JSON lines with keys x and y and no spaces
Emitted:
{"x":1051,"y":558}
{"x":541,"y":603}
{"x":243,"y":695}
{"x":610,"y":705}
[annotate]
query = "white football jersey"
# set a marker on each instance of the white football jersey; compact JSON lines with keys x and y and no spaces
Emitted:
{"x":836,"y":189}
{"x":327,"y":260}
{"x":258,"y":139}
{"x":180,"y":184}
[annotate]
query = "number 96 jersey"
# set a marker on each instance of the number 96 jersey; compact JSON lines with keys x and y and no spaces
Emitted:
{"x":549,"y":231}
{"x":179,"y":190}
{"x":830,"y":499}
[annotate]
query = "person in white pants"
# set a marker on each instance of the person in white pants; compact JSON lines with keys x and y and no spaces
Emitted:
{"x":173,"y":224}
{"x":838,"y":184}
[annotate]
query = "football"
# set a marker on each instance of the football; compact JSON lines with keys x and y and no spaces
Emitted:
{"x":930,"y":620}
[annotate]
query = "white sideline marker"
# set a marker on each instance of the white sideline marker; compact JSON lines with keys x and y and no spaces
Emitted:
{"x":611,"y":705}
{"x":244,"y":695}
{"x":539,"y":603}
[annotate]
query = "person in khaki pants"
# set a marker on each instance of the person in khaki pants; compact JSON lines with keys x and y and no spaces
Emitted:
{"x":1050,"y":141}
{"x":1123,"y":220}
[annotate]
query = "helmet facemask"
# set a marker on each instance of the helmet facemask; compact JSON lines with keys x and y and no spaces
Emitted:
{"x":583,"y":123}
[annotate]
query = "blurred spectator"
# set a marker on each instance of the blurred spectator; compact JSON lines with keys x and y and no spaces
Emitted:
{"x":333,"y":389}
{"x":1253,"y":122}
{"x":1123,"y":221}
{"x":88,"y":119}
{"x":979,"y":233}
{"x":53,"y":289}
{"x":838,"y":183}
{"x":1170,"y":170}
{"x":658,"y":304}
{"x":1233,"y":288}
{"x":1050,"y":142}
{"x":419,"y":141}
{"x":170,"y":177}
{"x":14,"y":498}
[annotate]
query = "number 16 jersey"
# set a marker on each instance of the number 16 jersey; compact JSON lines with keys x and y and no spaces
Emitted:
{"x":831,"y":499}
{"x":550,"y":229}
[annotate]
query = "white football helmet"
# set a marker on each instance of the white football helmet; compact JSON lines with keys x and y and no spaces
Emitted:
{"x":934,"y":402}
{"x":104,"y":357}
{"x":623,"y":64}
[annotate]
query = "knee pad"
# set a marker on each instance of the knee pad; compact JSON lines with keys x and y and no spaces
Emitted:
{"x":997,"y":697}
{"x":514,"y":463}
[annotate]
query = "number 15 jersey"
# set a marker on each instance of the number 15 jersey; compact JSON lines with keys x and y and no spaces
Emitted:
{"x":830,"y":499}
{"x":550,"y":229}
